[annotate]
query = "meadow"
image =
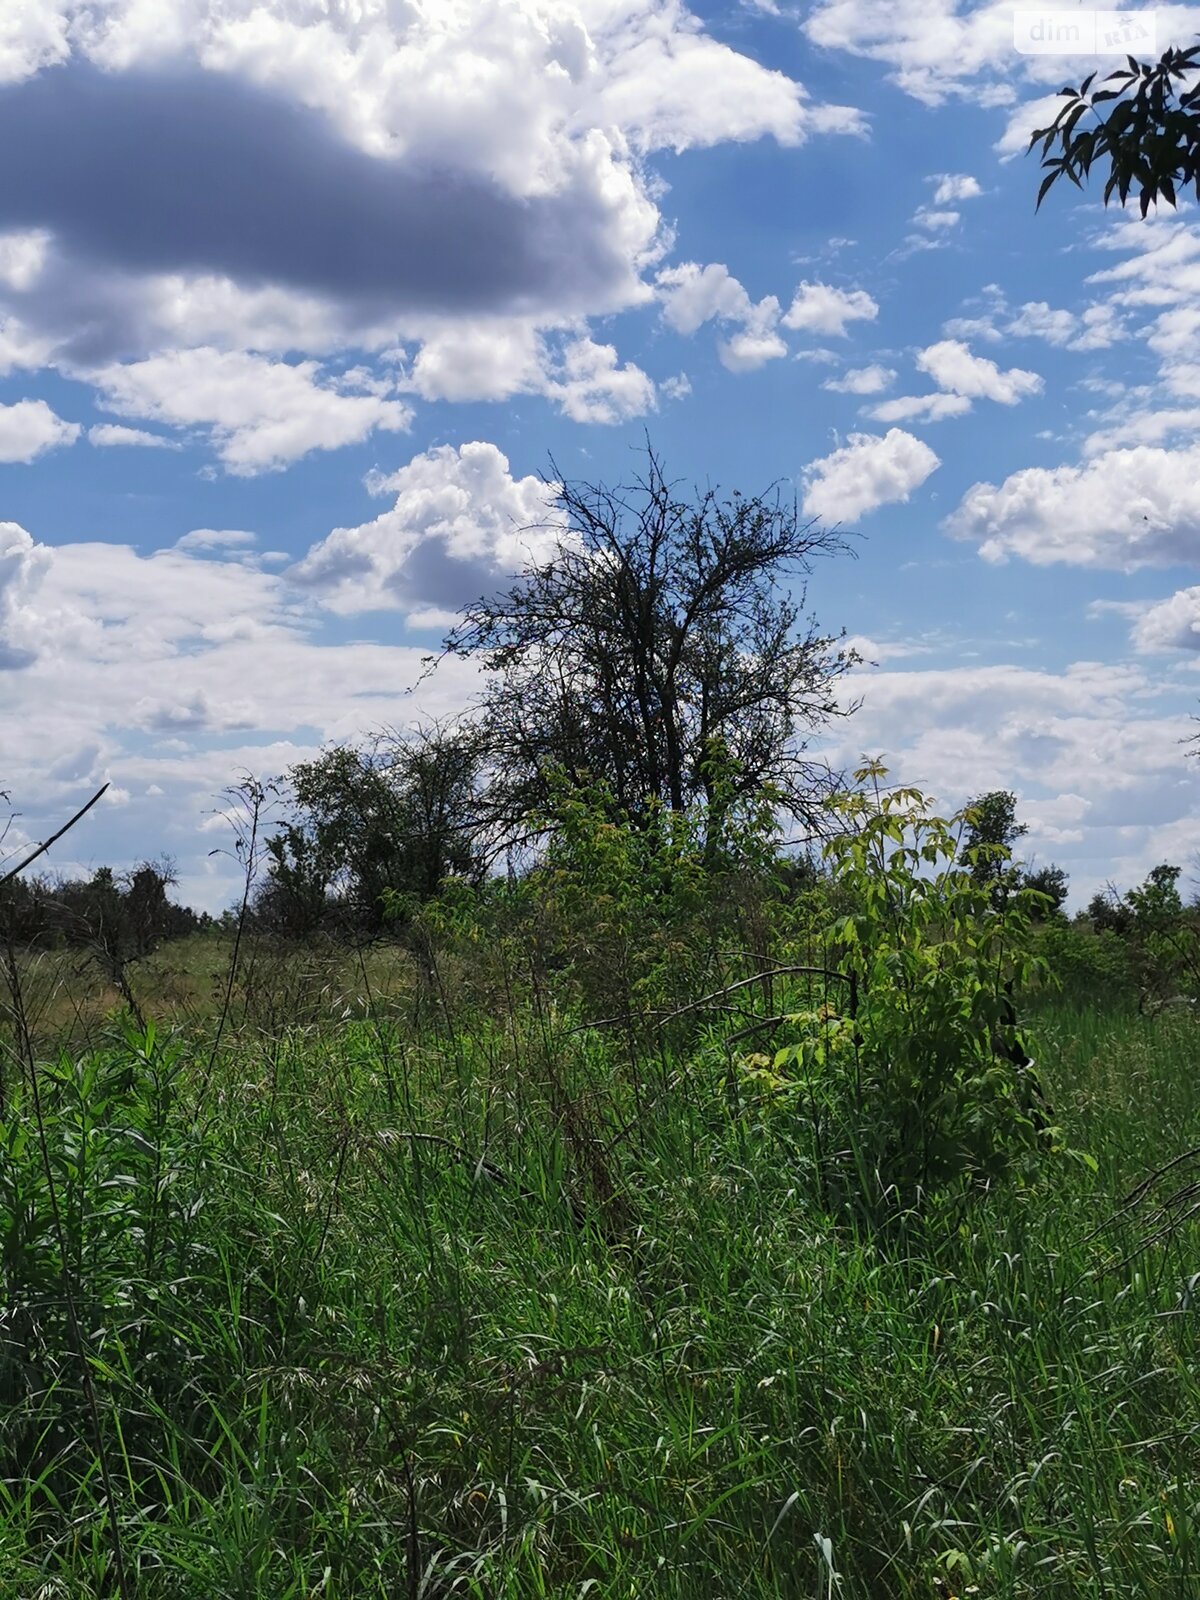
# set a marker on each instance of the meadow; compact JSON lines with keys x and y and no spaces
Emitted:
{"x":503,"y":1260}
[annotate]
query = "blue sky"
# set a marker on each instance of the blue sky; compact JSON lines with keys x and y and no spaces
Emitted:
{"x":298,"y":298}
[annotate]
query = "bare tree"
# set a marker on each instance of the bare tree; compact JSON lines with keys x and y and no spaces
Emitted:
{"x":663,"y":649}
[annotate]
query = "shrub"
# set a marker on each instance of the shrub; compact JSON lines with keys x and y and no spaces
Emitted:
{"x":1093,"y":966}
{"x":912,"y":1078}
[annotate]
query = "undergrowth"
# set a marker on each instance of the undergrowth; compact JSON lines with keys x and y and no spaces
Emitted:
{"x":511,"y":1275}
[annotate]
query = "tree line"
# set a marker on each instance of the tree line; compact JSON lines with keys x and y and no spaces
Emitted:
{"x":661,"y":661}
{"x":119,"y":917}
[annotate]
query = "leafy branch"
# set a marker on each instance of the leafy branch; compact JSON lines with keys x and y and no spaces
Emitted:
{"x":1150,"y":139}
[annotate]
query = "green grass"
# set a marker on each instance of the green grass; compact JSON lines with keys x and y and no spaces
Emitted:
{"x":330,"y":1358}
{"x":69,"y":1000}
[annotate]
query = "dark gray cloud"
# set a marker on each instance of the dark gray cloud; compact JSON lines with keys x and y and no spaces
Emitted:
{"x":432,"y":575}
{"x":428,"y":575}
{"x":194,"y":172}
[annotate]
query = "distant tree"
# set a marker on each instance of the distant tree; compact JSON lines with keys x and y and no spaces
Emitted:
{"x":126,"y":918}
{"x":332,"y":853}
{"x":394,"y":818}
{"x":1108,"y":912}
{"x":1155,"y":903}
{"x":118,"y":918}
{"x":22,"y":911}
{"x":1149,"y":140}
{"x":440,"y":778}
{"x":659,"y":652}
{"x":991,"y":835}
{"x":1165,"y":936}
{"x":1159,"y":934}
{"x":1051,"y":881}
{"x":100,"y":911}
{"x":991,"y":832}
{"x":992,"y":829}
{"x":1158,"y":900}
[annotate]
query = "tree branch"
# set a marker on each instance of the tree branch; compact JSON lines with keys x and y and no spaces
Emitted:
{"x":54,"y":837}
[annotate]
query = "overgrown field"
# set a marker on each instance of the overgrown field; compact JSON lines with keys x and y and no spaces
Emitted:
{"x":484,"y":1270}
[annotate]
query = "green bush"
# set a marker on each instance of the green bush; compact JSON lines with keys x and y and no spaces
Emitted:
{"x":1091,"y":966}
{"x":911,"y":1076}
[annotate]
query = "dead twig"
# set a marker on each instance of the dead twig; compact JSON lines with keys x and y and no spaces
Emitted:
{"x":54,"y":837}
{"x":1169,"y":1216}
{"x":708,"y":1000}
{"x":1137,"y":1194}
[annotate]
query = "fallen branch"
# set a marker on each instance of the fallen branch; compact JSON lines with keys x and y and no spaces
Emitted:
{"x":717,"y":995}
{"x":757,"y":1027}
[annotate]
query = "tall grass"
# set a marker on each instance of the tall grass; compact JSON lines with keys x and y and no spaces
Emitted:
{"x":433,"y":1300}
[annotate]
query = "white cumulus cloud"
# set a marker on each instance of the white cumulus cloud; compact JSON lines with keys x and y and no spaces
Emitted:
{"x":933,"y":48}
{"x":861,"y":380}
{"x":22,"y":256}
{"x":510,"y":137}
{"x":216,"y":539}
{"x":1170,"y":624}
{"x":756,"y":342}
{"x":920,"y":408}
{"x":29,"y":428}
{"x":954,"y":187}
{"x":591,"y":384}
{"x":261,"y":414}
{"x":1123,"y":509}
{"x":952,"y":366}
{"x":692,"y":295}
{"x":867,"y":472}
{"x":1038,"y":320}
{"x":22,"y":566}
{"x":934,"y":221}
{"x":822,"y":308}
{"x":479,"y":359}
{"x":109,"y":434}
{"x":459,"y":523}
{"x":20,"y":348}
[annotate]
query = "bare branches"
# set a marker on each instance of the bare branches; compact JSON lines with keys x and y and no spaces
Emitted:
{"x":54,"y":837}
{"x":1172,"y":1212}
{"x":666,"y":633}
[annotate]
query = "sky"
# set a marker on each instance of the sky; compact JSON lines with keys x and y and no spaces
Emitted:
{"x":300,"y":298}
